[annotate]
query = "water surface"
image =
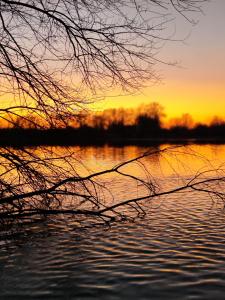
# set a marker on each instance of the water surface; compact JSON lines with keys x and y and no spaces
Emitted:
{"x":176,"y":252}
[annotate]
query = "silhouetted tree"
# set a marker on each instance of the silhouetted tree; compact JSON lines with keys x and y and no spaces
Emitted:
{"x":54,"y":57}
{"x":148,"y":122}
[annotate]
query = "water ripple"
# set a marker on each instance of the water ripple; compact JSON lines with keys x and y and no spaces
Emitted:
{"x":176,"y":252}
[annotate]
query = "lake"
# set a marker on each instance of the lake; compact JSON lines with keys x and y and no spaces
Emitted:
{"x":177,"y":251}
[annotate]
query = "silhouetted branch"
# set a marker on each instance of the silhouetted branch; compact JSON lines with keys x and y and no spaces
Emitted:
{"x":49,"y":49}
{"x":85,"y":195}
{"x":53,"y":55}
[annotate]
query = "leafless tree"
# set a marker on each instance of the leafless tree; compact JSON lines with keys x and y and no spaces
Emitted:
{"x":55,"y":56}
{"x":51,"y":50}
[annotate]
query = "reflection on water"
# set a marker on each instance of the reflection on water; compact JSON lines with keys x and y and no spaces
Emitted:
{"x":187,"y":159}
{"x":176,"y":252}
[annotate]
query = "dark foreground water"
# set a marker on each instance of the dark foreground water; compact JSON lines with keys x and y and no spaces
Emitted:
{"x":176,"y":252}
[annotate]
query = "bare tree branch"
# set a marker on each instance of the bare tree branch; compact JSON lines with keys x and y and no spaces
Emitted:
{"x":53,"y":55}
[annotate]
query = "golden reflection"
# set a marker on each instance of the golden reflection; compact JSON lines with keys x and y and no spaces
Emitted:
{"x":167,"y":164}
{"x":176,"y":161}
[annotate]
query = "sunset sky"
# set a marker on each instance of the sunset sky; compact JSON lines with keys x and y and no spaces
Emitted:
{"x":197,"y":86}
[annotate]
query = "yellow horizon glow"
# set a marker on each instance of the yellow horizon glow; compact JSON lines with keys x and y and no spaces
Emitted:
{"x":202,"y":101}
{"x":197,"y":87}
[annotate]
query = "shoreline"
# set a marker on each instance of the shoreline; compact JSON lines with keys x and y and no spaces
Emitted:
{"x":71,"y":137}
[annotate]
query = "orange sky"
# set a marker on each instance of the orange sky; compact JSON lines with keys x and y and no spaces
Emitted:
{"x":198,"y":85}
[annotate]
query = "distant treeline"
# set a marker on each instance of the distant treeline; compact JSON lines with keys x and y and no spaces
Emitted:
{"x":116,"y":127}
{"x":142,"y":133}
